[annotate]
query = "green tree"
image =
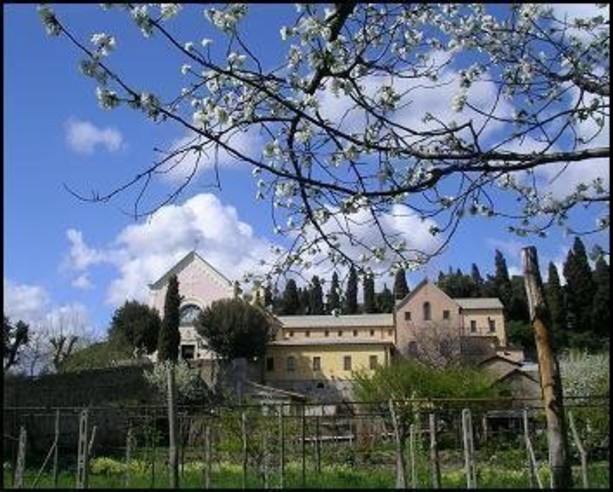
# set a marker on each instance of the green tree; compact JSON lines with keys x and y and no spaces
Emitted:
{"x":235,"y":328}
{"x":557,"y":307}
{"x":304,"y":298}
{"x":351,"y":292}
{"x":169,"y":337}
{"x":502,"y":282}
{"x":401,"y":288}
{"x":385,"y":300}
{"x":477,"y":281}
{"x":601,"y":307}
{"x":14,"y":337}
{"x":334,"y":300}
{"x":291,"y":301}
{"x":268,"y":297}
{"x":580,"y":295}
{"x":316,"y":297}
{"x":98,"y":355}
{"x":369,"y":294}
{"x":136,"y":324}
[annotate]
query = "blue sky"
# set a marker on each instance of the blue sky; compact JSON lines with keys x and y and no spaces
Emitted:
{"x":63,"y":255}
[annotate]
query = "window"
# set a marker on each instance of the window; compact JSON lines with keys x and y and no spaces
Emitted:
{"x":307,"y":333}
{"x":372,"y":333}
{"x":270,"y":364}
{"x":413,"y":348}
{"x":355,"y":333}
{"x":291,"y":363}
{"x":407,"y":315}
{"x":340,"y":333}
{"x":427,"y":311}
{"x":317,"y":363}
{"x":473,"y":326}
{"x":326,"y":333}
{"x":347,"y":363}
{"x":390,"y":332}
{"x":291,"y":333}
{"x":446,"y":313}
{"x":188,"y":314}
{"x":492,"y":324}
{"x":372,"y":362}
{"x":188,"y":352}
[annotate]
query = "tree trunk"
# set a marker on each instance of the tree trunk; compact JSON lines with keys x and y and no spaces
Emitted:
{"x":551,"y":385}
{"x":401,"y":474}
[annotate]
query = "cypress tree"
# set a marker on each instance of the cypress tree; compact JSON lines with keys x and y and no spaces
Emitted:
{"x":268,"y":298}
{"x":334,"y":301}
{"x":401,"y":288}
{"x":169,"y":338}
{"x":502,"y":281}
{"x":580,"y":288}
{"x":557,"y":307}
{"x":601,"y":314}
{"x":477,"y":281}
{"x":385,"y":300}
{"x":304,"y":301}
{"x":316,"y":297}
{"x":351,"y":294}
{"x":291,"y":302}
{"x":369,"y":294}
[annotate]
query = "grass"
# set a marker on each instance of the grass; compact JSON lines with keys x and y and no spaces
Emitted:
{"x":109,"y":473}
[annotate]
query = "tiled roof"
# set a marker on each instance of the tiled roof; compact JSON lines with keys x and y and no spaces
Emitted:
{"x":328,"y":341}
{"x":340,"y":321}
{"x":479,"y":303}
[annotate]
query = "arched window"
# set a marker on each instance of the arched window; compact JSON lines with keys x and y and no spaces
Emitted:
{"x":189,"y":313}
{"x":426,"y":311}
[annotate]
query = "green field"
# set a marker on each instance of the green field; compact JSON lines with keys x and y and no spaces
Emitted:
{"x":110,"y":473}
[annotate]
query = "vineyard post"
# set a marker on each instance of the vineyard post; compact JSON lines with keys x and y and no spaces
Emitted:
{"x":434,"y":461}
{"x":21,"y":458}
{"x":56,"y":441}
{"x":469,"y":449}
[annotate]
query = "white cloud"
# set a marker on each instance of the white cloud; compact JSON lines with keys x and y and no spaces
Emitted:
{"x":80,"y":257}
{"x":26,"y":302}
{"x":247,"y":143}
{"x":82,"y":282}
{"x":83,"y":137}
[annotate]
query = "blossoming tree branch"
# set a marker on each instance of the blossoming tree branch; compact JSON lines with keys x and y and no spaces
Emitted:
{"x":377,"y":111}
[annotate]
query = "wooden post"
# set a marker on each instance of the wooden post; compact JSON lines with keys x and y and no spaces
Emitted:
{"x":401,"y":475}
{"x":412,"y":452}
{"x":21,"y":458}
{"x":281,"y":447}
{"x":551,"y":385}
{"x":56,"y":441}
{"x":90,"y":446}
{"x":244,"y":435}
{"x":582,"y":451}
{"x":532,"y":465}
{"x":469,"y":449}
{"x":317,"y":445}
{"x":207,"y":455}
{"x":82,"y":451}
{"x":173,"y":461}
{"x":128,"y":453}
{"x":266,"y":454}
{"x":154,"y":447}
{"x":434,"y":462}
{"x":303,"y":446}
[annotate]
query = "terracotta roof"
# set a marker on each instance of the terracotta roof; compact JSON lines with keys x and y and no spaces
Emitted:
{"x":340,"y":321}
{"x":479,"y":302}
{"x":305,"y":342}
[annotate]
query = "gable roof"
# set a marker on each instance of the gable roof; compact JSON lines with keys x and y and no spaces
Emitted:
{"x":340,"y":321}
{"x":183,"y":263}
{"x":417,"y":288}
{"x":479,"y":302}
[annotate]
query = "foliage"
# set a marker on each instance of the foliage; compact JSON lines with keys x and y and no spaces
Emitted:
{"x":351,"y":293}
{"x":580,"y":291}
{"x":349,"y":142}
{"x":136,"y":324}
{"x":14,"y":337}
{"x":169,"y":337}
{"x":96,"y":356}
{"x":234,"y":328}
{"x":189,"y":385}
{"x":291,"y":302}
{"x":401,"y":288}
{"x":601,"y":305}
{"x":586,"y":377}
{"x":316,"y":297}
{"x":334,"y":299}
{"x":556,"y":304}
{"x":385,"y":300}
{"x":369,"y":294}
{"x":502,"y":281}
{"x":520,"y":333}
